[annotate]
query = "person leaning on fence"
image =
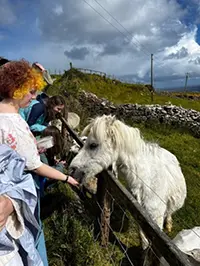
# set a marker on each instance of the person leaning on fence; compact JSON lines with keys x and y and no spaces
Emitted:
{"x":19,"y":83}
{"x":43,"y":112}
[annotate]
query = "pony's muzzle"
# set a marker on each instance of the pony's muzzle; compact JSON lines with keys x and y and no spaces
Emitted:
{"x":77,"y":174}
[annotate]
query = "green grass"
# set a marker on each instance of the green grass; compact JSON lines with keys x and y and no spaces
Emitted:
{"x":69,"y":232}
{"x":133,"y":93}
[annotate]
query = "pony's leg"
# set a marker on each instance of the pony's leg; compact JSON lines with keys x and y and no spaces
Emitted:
{"x":157,"y":211}
{"x":160,"y":221}
{"x":114,"y":170}
{"x":144,"y":241}
{"x":158,"y":218}
{"x":150,"y":256}
{"x":168,"y":223}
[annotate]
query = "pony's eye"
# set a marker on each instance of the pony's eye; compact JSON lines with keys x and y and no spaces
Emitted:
{"x":93,"y":146}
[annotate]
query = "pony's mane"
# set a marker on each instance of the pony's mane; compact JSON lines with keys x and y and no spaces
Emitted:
{"x":123,"y":136}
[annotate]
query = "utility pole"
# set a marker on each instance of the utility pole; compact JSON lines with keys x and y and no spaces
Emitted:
{"x":186,"y":80}
{"x":152,"y":70}
{"x":152,"y":89}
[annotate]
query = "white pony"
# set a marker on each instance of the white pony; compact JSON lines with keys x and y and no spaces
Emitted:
{"x":153,"y":174}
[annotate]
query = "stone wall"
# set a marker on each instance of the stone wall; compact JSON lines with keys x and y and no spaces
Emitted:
{"x":168,"y":114}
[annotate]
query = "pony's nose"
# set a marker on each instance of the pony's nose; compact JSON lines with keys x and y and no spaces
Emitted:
{"x":77,"y":173}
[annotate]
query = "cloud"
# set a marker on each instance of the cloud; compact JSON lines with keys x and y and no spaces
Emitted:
{"x":80,"y":23}
{"x":196,"y":61}
{"x":77,"y":53}
{"x":7,"y":14}
{"x":58,"y":10}
{"x":186,"y":63}
{"x":113,"y":48}
{"x":183,"y":52}
{"x":153,"y":24}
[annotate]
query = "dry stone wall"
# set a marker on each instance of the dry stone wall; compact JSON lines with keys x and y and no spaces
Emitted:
{"x":168,"y":114}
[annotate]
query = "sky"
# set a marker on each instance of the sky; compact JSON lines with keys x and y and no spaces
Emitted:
{"x":113,"y":36}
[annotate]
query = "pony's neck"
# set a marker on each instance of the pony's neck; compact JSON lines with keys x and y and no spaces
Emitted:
{"x":127,"y":155}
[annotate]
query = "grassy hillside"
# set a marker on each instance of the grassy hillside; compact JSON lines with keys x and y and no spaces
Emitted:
{"x":118,"y":92}
{"x":68,"y":231}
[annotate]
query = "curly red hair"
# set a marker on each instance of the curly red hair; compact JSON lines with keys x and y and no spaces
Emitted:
{"x":17,"y":78}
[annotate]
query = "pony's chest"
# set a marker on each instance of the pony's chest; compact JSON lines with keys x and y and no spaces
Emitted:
{"x":135,"y":177}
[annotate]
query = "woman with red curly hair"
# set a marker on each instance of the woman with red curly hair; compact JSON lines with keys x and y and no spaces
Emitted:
{"x":19,"y":83}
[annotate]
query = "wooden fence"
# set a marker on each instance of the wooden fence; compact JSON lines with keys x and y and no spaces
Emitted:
{"x":90,"y":71}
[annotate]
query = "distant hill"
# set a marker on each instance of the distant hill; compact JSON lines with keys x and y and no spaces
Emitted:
{"x":192,"y":88}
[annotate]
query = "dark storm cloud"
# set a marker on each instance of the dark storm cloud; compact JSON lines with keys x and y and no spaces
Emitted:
{"x":77,"y":53}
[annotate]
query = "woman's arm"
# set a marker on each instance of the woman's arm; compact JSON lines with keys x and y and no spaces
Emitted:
{"x":50,"y":172}
{"x":25,"y":144}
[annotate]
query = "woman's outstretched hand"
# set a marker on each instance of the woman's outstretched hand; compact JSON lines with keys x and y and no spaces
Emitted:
{"x":72,"y":181}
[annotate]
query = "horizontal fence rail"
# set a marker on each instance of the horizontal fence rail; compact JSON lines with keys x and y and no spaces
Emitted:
{"x":85,"y":70}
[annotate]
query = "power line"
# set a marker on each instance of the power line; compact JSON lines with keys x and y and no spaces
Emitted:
{"x":138,"y":44}
{"x":141,"y":45}
{"x":110,"y":23}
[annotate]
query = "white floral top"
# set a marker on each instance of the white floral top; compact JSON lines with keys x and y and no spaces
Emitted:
{"x":15,"y":132}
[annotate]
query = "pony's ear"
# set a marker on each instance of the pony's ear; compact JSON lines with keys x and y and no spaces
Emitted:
{"x":86,"y":130}
{"x":110,"y":119}
{"x":111,"y":130}
{"x":115,"y":133}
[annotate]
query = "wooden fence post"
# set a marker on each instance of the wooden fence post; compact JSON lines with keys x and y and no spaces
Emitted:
{"x":103,"y":215}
